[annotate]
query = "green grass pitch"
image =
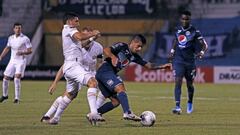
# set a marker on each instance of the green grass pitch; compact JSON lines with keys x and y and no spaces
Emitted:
{"x":216,"y":111}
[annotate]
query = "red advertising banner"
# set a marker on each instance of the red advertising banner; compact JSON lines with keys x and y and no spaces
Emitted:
{"x":138,"y":73}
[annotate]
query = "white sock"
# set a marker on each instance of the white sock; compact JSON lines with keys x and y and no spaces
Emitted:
{"x":92,"y":98}
{"x":5,"y":85}
{"x":100,"y":99}
{"x":54,"y":107}
{"x":63,"y":104}
{"x":17,"y":83}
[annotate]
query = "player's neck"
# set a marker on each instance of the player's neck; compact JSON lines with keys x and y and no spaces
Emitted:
{"x":17,"y":35}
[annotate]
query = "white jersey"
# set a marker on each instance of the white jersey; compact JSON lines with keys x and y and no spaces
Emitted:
{"x":18,"y":44}
{"x":90,"y":56}
{"x":72,"y":49}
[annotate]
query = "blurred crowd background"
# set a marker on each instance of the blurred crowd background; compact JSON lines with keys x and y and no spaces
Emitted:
{"x":118,"y":20}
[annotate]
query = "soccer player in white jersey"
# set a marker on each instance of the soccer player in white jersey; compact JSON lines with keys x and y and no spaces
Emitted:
{"x":20,"y":46}
{"x":74,"y":72}
{"x":92,"y":58}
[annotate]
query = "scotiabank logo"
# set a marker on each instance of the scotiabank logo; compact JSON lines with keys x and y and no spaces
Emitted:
{"x":139,"y":74}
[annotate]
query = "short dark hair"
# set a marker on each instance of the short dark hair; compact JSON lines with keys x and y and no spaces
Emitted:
{"x":140,"y":37}
{"x":68,"y":16}
{"x":186,"y":12}
{"x":17,"y":24}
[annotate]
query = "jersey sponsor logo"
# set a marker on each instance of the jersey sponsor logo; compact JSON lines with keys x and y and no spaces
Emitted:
{"x":188,"y":33}
{"x":182,"y":39}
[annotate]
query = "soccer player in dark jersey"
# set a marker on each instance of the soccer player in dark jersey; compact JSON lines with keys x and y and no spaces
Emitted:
{"x":184,"y":54}
{"x":111,"y":85}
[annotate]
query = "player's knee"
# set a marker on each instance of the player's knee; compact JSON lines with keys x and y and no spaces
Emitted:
{"x":120,"y":88}
{"x":92,"y":83}
{"x":115,"y":103}
{"x":7,"y":77}
{"x":18,"y":76}
{"x":72,"y":95}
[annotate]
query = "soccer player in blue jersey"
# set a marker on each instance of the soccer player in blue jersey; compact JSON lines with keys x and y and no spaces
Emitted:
{"x":184,"y":54}
{"x":111,"y":85}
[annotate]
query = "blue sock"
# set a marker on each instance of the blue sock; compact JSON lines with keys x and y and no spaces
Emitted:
{"x":123,"y":99}
{"x":106,"y":108}
{"x":177,"y":93}
{"x":190,"y":92}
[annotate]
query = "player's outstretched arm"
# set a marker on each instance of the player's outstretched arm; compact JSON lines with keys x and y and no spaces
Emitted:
{"x":154,"y":67}
{"x":53,"y":86}
{"x":4,"y":52}
{"x":80,"y":36}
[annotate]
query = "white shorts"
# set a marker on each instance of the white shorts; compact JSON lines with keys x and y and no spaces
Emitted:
{"x":76,"y":77}
{"x":15,"y":68}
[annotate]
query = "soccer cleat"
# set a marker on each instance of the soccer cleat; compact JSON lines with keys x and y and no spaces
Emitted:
{"x":16,"y":101}
{"x":53,"y":121}
{"x":94,"y":118}
{"x":3,"y":99}
{"x":45,"y":119}
{"x":189,"y":108}
{"x":177,"y":110}
{"x":131,"y":116}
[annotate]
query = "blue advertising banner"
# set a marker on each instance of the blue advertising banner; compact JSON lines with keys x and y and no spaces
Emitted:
{"x":107,"y":8}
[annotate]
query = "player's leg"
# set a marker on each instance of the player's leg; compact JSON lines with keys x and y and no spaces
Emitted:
{"x":92,"y":95}
{"x":178,"y":72}
{"x":8,"y":73}
{"x":17,"y":84}
{"x":100,"y":99}
{"x":46,"y":117}
{"x":190,"y":75}
{"x":108,"y":106}
{"x":71,"y":93}
{"x":5,"y":85}
{"x":19,"y":73}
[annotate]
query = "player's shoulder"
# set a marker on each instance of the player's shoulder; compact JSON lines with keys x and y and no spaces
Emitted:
{"x":120,"y":44}
{"x":193,"y":28}
{"x":11,"y":36}
{"x":24,"y":36}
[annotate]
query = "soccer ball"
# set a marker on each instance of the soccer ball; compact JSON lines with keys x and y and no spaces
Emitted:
{"x":148,"y":118}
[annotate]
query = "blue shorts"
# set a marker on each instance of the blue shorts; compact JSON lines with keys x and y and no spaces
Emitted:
{"x":107,"y":80}
{"x":181,"y":70}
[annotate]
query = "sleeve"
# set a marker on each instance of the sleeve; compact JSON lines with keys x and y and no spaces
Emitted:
{"x":198,"y":35}
{"x":100,"y":51}
{"x":72,"y":31}
{"x":117,"y":47}
{"x":138,"y":59}
{"x":28,"y":43}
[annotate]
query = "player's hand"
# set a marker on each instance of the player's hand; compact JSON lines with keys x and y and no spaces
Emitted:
{"x":52,"y":88}
{"x":200,"y":54}
{"x":0,"y":58}
{"x":170,"y":57}
{"x":19,"y":53}
{"x":167,"y":66}
{"x":96,"y":32}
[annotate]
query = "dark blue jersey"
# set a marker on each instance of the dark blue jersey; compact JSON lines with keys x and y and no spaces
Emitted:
{"x":186,"y":44}
{"x":124,"y":55}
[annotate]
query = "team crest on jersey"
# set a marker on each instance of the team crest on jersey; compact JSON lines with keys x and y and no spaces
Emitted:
{"x":188,"y":33}
{"x":182,"y":39}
